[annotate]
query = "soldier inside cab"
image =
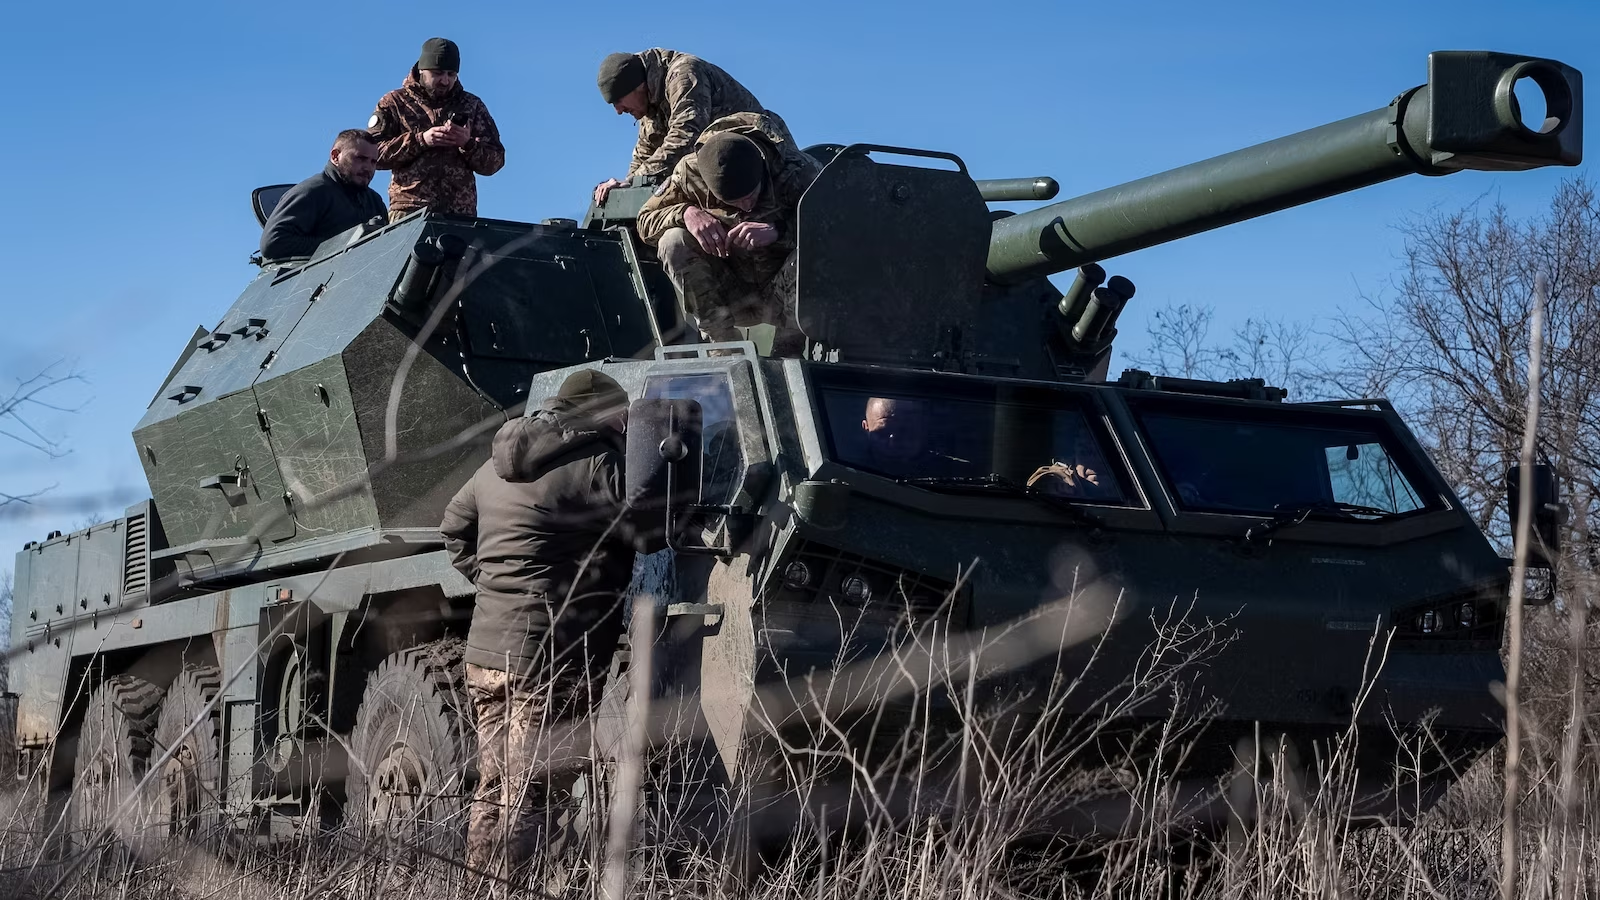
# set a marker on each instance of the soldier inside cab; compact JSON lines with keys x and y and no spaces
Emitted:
{"x":335,"y":199}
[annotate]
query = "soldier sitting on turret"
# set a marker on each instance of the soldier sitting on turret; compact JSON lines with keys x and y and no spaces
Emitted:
{"x":337,"y":198}
{"x":723,"y":226}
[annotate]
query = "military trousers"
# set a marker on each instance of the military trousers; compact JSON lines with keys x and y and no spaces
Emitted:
{"x":718,"y":295}
{"x":503,"y":822}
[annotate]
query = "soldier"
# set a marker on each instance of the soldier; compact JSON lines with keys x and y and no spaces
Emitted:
{"x":434,"y":136}
{"x":673,"y":96}
{"x":540,"y":531}
{"x":899,"y":437}
{"x":723,"y":226}
{"x":326,"y":203}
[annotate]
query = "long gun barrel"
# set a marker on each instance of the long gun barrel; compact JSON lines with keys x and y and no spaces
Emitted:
{"x":1466,"y":117}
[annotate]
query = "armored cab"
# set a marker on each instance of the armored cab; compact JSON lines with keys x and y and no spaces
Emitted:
{"x":287,"y":578}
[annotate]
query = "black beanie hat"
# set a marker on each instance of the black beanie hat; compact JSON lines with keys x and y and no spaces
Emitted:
{"x":440,"y":53}
{"x":731,"y":164}
{"x":620,"y":73}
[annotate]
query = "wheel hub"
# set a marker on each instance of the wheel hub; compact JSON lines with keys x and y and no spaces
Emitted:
{"x":397,"y":783}
{"x":180,"y":786}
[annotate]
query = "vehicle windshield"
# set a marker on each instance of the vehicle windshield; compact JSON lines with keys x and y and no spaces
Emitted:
{"x":1278,"y":461}
{"x":932,"y":429}
{"x":723,"y":462}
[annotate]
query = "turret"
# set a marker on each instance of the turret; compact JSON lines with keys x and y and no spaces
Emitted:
{"x":905,"y":265}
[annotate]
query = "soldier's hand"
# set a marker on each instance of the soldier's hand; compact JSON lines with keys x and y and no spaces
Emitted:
{"x":752,"y":235}
{"x":439,"y":136}
{"x":604,"y":188}
{"x":707,"y":230}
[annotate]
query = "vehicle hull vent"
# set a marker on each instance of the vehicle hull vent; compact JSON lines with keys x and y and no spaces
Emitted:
{"x":136,"y":555}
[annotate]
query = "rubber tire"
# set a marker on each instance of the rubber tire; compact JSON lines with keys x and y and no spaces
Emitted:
{"x":415,"y":716}
{"x":188,"y":791}
{"x":114,"y":743}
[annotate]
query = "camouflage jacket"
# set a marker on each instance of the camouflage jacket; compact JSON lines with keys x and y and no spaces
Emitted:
{"x":686,"y":94}
{"x":440,"y":178}
{"x":789,"y":172}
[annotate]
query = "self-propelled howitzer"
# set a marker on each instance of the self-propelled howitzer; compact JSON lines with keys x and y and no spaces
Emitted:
{"x":279,"y":626}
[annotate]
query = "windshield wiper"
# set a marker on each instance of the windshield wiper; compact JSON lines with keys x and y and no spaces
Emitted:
{"x":1297,"y":513}
{"x":1000,"y":484}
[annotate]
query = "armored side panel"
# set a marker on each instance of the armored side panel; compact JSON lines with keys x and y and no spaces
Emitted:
{"x":66,"y":591}
{"x":352,"y":395}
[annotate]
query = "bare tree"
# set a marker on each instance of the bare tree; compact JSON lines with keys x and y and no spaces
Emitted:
{"x":19,"y":411}
{"x":1284,"y":353}
{"x":1450,"y":348}
{"x":6,"y":590}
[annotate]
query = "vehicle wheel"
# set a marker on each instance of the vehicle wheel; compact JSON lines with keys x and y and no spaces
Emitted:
{"x":411,"y":750}
{"x":575,"y":845}
{"x":114,"y":744}
{"x":188,"y":799}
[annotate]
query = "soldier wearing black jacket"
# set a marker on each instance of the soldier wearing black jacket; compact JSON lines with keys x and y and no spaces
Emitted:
{"x":541,"y":530}
{"x":327,"y":203}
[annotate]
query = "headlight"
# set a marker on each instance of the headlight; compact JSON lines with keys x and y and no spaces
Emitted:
{"x":797,"y":576}
{"x":1428,"y":622}
{"x":1466,"y":615}
{"x":856,"y":589}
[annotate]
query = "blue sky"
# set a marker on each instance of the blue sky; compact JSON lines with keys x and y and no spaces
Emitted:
{"x":136,"y":132}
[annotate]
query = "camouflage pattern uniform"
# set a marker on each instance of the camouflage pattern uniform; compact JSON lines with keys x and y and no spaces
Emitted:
{"x":502,"y":825}
{"x":523,"y":812}
{"x":686,"y":95}
{"x":747,"y":287}
{"x":439,"y":178}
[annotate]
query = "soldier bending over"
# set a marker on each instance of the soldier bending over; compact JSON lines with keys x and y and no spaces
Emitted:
{"x":673,"y":96}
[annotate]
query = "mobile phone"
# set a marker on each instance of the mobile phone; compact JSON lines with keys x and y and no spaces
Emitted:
{"x":459,"y":119}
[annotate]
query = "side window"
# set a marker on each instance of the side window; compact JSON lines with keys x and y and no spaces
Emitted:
{"x":1364,"y":475}
{"x":723,"y":463}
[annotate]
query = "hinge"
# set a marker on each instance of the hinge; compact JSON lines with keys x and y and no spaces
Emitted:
{"x":271,"y":355}
{"x":317,"y":293}
{"x":261,"y":418}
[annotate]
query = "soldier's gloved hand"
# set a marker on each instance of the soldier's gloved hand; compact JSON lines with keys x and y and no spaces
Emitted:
{"x":707,"y":230}
{"x":752,"y":235}
{"x":604,"y":188}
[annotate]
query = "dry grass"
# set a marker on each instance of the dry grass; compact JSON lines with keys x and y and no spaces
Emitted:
{"x":939,"y":805}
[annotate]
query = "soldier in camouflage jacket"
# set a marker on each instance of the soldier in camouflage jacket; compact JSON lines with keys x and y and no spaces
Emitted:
{"x":435,"y":162}
{"x":727,"y":247}
{"x":674,"y":96}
